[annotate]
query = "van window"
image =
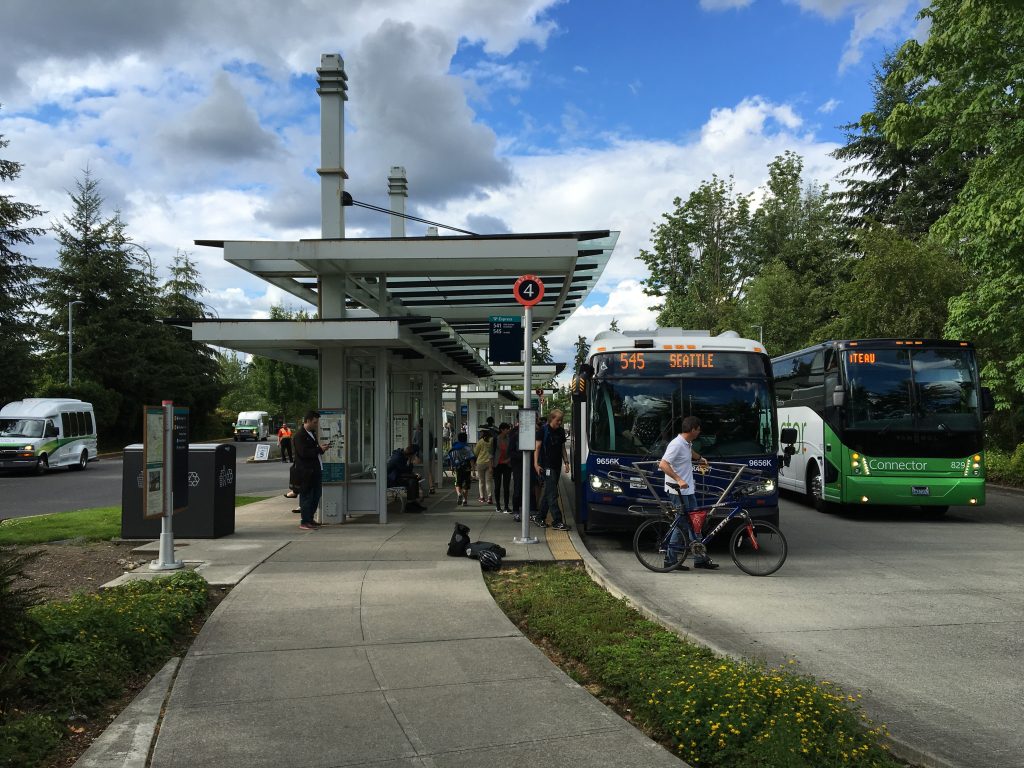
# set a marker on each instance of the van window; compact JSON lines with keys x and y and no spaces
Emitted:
{"x":68,"y":427}
{"x":88,"y":423}
{"x":80,"y":424}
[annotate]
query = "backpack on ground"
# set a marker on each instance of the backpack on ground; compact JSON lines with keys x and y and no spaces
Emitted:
{"x":475,"y":549}
{"x":459,"y":541}
{"x":489,"y":560}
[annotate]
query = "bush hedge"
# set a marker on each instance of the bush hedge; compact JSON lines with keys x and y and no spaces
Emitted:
{"x":710,"y":711}
{"x":83,"y":652}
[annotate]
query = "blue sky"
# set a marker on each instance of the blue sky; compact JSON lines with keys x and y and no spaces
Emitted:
{"x":201,"y":119}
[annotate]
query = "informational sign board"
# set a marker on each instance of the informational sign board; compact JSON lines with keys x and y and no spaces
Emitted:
{"x":262,"y":452}
{"x":180,"y":459}
{"x":505,"y":343}
{"x":153,"y":462}
{"x":332,"y":431}
{"x":527,"y":428}
{"x":400,"y":430}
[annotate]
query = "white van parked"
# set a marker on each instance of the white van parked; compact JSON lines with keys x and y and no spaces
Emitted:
{"x":42,"y":432}
{"x":252,"y":425}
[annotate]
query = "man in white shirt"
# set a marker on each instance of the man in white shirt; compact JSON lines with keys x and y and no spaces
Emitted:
{"x":677,"y":464}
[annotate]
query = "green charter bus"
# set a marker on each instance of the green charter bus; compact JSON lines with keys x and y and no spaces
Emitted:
{"x":882,"y":422}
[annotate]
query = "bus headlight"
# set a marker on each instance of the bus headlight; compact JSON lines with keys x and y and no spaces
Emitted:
{"x":604,"y":485}
{"x":29,"y":448}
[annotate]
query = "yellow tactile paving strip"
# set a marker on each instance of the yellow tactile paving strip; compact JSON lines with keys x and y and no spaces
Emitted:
{"x":561,"y":545}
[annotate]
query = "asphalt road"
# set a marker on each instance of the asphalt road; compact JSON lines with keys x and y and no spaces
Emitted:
{"x":924,"y":617}
{"x":61,"y":490}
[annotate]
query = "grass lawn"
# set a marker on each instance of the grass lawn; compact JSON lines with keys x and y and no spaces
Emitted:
{"x":96,"y":524}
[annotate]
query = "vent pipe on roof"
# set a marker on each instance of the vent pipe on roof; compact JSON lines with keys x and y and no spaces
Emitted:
{"x":431,"y":231}
{"x":332,"y":87}
{"x":398,"y":190}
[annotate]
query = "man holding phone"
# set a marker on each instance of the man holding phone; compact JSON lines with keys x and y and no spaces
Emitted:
{"x":308,"y":469}
{"x":549,"y":458}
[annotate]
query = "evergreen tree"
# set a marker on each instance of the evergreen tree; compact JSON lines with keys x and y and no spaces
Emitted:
{"x":582,"y":352}
{"x":119,"y":348}
{"x":899,"y":186}
{"x":17,"y":289}
{"x":542,"y":352}
{"x":191,"y":369}
{"x":972,"y":69}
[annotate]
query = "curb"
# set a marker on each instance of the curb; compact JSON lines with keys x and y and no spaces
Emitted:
{"x":127,"y":741}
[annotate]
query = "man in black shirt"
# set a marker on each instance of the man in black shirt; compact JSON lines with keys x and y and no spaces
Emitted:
{"x":549,"y":458}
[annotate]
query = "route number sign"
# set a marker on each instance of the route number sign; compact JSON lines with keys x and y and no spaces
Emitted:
{"x":528,"y":290}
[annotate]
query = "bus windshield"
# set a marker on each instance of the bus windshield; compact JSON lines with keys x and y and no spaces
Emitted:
{"x":21,"y":427}
{"x":920,"y":389}
{"x":639,"y":416}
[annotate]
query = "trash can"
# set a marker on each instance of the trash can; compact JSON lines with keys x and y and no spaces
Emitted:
{"x":211,"y":494}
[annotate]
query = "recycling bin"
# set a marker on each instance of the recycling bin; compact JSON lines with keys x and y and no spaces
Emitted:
{"x":210,"y":513}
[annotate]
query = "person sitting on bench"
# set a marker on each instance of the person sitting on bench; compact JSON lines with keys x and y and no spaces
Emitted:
{"x":400,"y":473}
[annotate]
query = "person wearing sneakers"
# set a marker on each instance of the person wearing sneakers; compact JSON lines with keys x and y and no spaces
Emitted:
{"x":504,"y":449}
{"x":460,"y":458}
{"x":549,"y":458}
{"x":309,"y":468}
{"x":677,"y":464}
{"x":484,"y":474}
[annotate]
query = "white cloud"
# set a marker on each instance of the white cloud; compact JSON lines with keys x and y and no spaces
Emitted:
{"x":887,"y":20}
{"x":194,"y":126}
{"x":829,"y":106}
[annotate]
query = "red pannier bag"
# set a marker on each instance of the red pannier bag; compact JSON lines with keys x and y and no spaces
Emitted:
{"x":697,"y":518}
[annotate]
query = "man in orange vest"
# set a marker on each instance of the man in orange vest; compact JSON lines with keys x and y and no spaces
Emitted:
{"x":284,"y":439}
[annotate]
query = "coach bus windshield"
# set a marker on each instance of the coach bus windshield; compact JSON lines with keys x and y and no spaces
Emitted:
{"x":920,"y":389}
{"x":633,"y":416}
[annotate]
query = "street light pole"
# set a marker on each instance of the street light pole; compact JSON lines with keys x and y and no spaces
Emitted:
{"x":70,"y":305}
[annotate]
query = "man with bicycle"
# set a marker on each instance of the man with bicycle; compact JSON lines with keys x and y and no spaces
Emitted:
{"x":677,"y":464}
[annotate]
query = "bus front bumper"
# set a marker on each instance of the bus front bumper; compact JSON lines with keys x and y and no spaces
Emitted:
{"x":613,"y":517}
{"x":924,"y":491}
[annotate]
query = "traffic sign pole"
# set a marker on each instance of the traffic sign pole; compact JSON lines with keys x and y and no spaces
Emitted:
{"x":528,"y":291}
{"x":166,"y":561}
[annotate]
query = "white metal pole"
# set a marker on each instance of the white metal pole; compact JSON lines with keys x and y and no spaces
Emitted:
{"x":527,"y":450}
{"x":167,"y":561}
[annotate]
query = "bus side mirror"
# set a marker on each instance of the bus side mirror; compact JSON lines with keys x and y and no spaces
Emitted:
{"x":839,"y":396}
{"x":788,"y":436}
{"x":51,"y":431}
{"x":988,"y":403}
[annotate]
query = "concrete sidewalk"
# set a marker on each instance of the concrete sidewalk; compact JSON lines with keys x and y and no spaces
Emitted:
{"x":362,"y":644}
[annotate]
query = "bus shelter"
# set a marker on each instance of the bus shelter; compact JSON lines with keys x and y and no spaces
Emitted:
{"x":398,"y":318}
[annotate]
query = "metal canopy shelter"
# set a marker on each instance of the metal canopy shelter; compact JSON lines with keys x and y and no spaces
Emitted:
{"x":461,"y":281}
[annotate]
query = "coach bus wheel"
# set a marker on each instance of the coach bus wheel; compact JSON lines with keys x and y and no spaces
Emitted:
{"x":814,"y":489}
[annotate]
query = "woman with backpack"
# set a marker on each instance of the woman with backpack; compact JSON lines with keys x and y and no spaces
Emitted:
{"x":460,"y":457}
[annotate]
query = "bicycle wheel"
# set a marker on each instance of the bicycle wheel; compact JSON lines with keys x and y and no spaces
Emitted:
{"x":760,"y":554}
{"x":649,"y":545}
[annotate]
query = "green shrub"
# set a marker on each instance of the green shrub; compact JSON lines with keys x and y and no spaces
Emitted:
{"x":85,"y":650}
{"x":1005,"y":468}
{"x":708,"y":710}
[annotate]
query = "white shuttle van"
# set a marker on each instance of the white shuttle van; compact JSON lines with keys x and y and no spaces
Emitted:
{"x":42,"y":432}
{"x":252,"y":425}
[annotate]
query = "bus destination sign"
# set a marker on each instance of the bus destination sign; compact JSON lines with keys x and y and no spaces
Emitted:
{"x":861,"y":358}
{"x":682,"y":363}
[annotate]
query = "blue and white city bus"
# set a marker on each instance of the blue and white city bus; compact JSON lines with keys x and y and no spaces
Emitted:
{"x":640,"y":385}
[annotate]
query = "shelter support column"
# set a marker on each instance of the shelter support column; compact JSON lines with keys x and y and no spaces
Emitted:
{"x":333,"y":505}
{"x":382,"y":426}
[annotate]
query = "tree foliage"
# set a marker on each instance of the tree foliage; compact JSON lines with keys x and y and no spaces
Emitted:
{"x":17,"y":288}
{"x":897,"y":185}
{"x":698,"y":259}
{"x":898,"y":287}
{"x":972,"y":64}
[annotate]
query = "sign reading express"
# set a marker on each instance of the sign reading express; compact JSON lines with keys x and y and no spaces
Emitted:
{"x":506,"y":339}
